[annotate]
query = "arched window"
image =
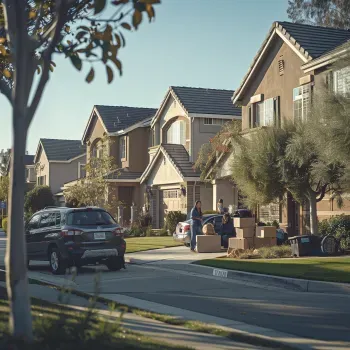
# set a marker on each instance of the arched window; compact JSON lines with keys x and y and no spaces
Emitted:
{"x":176,"y":134}
{"x":97,"y":149}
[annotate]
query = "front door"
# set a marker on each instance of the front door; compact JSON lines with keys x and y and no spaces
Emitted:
{"x":125,"y":195}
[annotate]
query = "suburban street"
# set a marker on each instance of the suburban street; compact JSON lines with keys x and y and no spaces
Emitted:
{"x":311,"y":315}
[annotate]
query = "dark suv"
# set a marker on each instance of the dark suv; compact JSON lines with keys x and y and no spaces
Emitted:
{"x":75,"y":237}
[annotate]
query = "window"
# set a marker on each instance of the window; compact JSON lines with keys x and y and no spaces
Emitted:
{"x":89,"y":218}
{"x":41,"y":180}
{"x":341,"y":81}
{"x":176,"y":134}
{"x":47,"y":220}
{"x":97,"y":150}
{"x":58,"y":219}
{"x":212,"y":121}
{"x":170,"y":194}
{"x":33,"y":223}
{"x":301,"y":102}
{"x":122,"y":147}
{"x":81,"y":171}
{"x":265,"y":113}
{"x":27,"y":175}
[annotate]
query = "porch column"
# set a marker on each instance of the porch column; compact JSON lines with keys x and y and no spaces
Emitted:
{"x":133,"y":213}
{"x":226,"y":190}
{"x":120,"y":215}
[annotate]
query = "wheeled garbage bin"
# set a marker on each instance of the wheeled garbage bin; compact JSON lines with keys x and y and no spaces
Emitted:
{"x":305,"y":245}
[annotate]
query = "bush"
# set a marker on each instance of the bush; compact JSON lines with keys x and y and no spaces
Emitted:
{"x":338,"y":226}
{"x":38,"y":198}
{"x":172,"y":219}
{"x":275,"y":252}
{"x":209,"y":212}
{"x":4,"y":224}
{"x":144,"y":220}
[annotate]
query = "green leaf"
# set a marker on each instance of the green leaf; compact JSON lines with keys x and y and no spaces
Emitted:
{"x":126,"y":26}
{"x":136,"y":18}
{"x":90,"y":76}
{"x":99,"y":6}
{"x":76,"y":62}
{"x":110,"y":74}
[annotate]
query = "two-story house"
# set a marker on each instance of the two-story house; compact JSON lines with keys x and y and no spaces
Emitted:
{"x":127,"y":133}
{"x":291,"y":64}
{"x":187,"y":119}
{"x":59,"y":161}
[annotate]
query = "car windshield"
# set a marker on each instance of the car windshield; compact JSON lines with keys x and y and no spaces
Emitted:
{"x":89,"y":218}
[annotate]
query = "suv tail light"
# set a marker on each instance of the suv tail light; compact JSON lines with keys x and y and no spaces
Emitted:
{"x":118,"y":232}
{"x":187,"y":228}
{"x":70,"y":233}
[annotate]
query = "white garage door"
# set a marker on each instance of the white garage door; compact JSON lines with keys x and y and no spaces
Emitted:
{"x":170,"y":201}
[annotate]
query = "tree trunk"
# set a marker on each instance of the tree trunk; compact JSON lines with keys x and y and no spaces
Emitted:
{"x":16,"y":254}
{"x":313,"y":213}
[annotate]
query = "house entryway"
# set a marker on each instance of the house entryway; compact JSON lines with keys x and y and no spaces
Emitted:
{"x":169,"y":200}
{"x":125,"y":195}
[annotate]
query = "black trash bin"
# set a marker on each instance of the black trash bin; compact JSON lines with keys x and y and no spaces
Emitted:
{"x":305,"y":245}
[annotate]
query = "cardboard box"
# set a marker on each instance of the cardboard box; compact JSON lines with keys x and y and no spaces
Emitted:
{"x":260,"y":242}
{"x":244,"y":222}
{"x":208,"y":244}
{"x":241,"y":243}
{"x":266,"y":231}
{"x":246,"y":232}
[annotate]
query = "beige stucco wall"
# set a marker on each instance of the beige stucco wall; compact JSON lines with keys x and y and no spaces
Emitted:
{"x":43,"y":167}
{"x":171,"y":109}
{"x":206,"y":196}
{"x":226,"y":190}
{"x":138,"y":141}
{"x":163,"y":173}
{"x":268,"y":81}
{"x":61,"y":173}
{"x":97,"y":132}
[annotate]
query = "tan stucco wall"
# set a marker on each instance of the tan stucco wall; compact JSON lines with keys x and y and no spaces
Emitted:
{"x":171,"y":110}
{"x":61,"y":173}
{"x":206,"y":196}
{"x":138,"y":141}
{"x":268,"y":81}
{"x":43,"y":167}
{"x":97,"y":132}
{"x":162,"y":174}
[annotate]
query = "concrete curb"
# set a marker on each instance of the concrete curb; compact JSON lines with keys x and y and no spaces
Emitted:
{"x":300,"y":285}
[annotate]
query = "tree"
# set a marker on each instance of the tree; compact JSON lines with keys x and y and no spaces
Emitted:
{"x":4,"y":161}
{"x":31,"y":33}
{"x":4,"y":188}
{"x":94,"y":189}
{"x":328,"y":13}
{"x":37,"y":199}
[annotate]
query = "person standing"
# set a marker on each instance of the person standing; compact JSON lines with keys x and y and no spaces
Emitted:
{"x":220,"y":206}
{"x":196,"y":223}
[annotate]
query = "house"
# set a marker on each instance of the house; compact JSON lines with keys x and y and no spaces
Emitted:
{"x":57,"y":162}
{"x":186,"y":119}
{"x":127,"y":132}
{"x":292,"y":63}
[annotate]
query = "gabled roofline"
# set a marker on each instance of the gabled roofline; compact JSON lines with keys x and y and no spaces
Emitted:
{"x":142,"y":124}
{"x":94,"y":110}
{"x":169,"y":93}
{"x":68,"y":160}
{"x":37,"y":151}
{"x":276,"y":30}
{"x":160,"y":150}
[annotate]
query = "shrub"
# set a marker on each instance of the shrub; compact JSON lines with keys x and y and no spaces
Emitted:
{"x":38,"y":198}
{"x":149,"y":231}
{"x":275,"y":252}
{"x":209,"y":212}
{"x":4,"y":224}
{"x":172,"y":219}
{"x":144,"y":220}
{"x":338,"y":226}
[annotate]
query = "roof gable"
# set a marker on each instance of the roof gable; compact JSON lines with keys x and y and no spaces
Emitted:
{"x":60,"y":150}
{"x":308,"y":42}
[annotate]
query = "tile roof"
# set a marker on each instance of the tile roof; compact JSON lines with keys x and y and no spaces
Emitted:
{"x":179,"y":156}
{"x":314,"y":39}
{"x":61,"y":150}
{"x":206,"y":101}
{"x":124,"y":174}
{"x":28,"y":159}
{"x":117,"y":118}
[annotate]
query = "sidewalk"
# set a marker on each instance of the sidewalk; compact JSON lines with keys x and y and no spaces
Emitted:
{"x":154,"y":329}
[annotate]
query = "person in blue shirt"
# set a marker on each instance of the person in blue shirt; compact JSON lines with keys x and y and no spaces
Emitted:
{"x":196,"y":223}
{"x":227,"y":230}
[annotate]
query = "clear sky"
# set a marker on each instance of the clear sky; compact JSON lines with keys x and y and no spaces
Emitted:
{"x":198,"y":43}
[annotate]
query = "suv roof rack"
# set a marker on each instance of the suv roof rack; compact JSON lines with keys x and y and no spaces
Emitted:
{"x":54,"y":207}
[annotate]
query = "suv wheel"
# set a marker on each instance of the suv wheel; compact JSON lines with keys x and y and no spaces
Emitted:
{"x":57,"y":264}
{"x":115,"y":264}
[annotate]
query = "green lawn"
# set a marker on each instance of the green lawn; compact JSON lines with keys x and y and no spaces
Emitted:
{"x":139,"y":244}
{"x":74,"y":330}
{"x":322,"y":269}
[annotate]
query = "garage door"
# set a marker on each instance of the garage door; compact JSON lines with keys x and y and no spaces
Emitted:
{"x":170,"y":200}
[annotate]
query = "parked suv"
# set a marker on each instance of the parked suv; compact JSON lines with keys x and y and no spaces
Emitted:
{"x":75,"y":237}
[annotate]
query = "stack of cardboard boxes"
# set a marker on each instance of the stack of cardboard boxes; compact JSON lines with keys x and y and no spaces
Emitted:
{"x":249,"y":236}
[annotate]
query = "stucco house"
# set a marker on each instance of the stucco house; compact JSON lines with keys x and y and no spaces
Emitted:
{"x":57,"y":162}
{"x":187,"y":118}
{"x":292,"y":63}
{"x":127,"y":133}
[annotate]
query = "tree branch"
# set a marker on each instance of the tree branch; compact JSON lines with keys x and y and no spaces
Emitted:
{"x":322,"y":193}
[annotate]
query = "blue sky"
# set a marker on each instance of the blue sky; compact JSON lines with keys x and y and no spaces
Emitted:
{"x":199,"y":43}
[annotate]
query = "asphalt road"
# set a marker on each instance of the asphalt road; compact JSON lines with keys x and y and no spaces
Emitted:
{"x":311,"y":315}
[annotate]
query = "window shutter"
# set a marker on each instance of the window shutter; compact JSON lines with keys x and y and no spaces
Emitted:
{"x":250,"y":117}
{"x":277,"y":115}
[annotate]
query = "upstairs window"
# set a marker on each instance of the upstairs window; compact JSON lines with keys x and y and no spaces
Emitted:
{"x":301,"y":102}
{"x":41,"y":181}
{"x":176,"y":134}
{"x":122,"y":147}
{"x":341,"y":81}
{"x":97,"y":150}
{"x":213,"y":121}
{"x":264,"y":113}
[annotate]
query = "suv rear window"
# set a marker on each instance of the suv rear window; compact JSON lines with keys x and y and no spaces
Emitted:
{"x":89,"y":218}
